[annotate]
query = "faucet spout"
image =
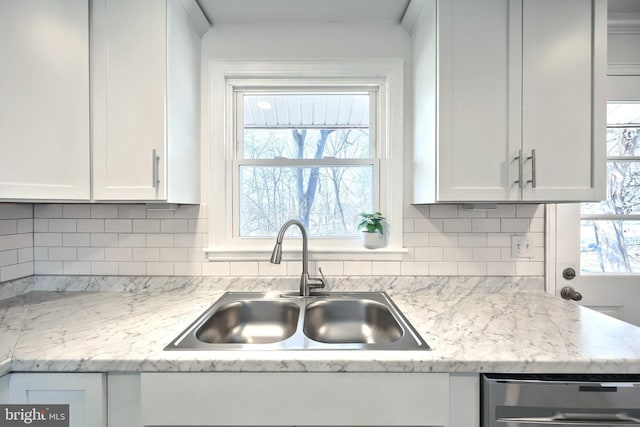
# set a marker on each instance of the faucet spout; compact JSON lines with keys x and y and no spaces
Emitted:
{"x":306,"y":282}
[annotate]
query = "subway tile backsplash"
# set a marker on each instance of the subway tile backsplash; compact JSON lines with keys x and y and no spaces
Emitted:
{"x":131,"y":240}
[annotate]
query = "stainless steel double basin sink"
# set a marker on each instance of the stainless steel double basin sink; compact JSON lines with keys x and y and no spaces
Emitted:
{"x":276,"y":321}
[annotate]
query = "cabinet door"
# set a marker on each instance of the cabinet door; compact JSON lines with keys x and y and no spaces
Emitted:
{"x":84,"y":393}
{"x":129,"y":45}
{"x":477,"y":90}
{"x":563,"y":104}
{"x":44,"y":100}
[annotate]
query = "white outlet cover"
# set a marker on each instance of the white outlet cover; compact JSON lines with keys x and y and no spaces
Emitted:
{"x":521,"y":246}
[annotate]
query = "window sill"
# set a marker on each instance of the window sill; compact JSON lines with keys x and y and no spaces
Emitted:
{"x":324,"y":254}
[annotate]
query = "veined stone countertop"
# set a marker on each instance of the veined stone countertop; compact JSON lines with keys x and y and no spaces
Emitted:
{"x":472,"y":324}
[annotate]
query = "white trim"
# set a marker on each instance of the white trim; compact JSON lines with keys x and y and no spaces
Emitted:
{"x":412,"y":13}
{"x":623,"y":23}
{"x":196,"y":16}
{"x":630,"y":69}
{"x":550,"y":233}
{"x":387,"y":73}
{"x":355,"y":254}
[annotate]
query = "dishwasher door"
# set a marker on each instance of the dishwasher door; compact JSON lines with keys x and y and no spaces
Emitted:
{"x":560,"y":400}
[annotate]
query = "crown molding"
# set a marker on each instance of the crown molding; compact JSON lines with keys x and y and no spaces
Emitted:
{"x":624,"y":23}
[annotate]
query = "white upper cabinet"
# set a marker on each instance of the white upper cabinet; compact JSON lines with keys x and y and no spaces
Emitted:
{"x":44,"y":100}
{"x":146,"y":100}
{"x":509,"y":101}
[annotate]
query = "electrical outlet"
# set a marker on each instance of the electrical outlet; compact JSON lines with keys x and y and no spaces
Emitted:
{"x":521,"y":246}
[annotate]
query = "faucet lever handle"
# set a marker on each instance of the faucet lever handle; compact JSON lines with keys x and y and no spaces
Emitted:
{"x":324,"y":279}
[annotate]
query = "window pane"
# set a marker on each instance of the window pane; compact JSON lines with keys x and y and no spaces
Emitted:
{"x":306,"y":143}
{"x":623,"y":190}
{"x":623,"y":142}
{"x":326,"y":199}
{"x":610,"y":246}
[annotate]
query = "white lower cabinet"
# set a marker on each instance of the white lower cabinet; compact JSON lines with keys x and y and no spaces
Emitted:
{"x":84,"y":393}
{"x":300,"y":399}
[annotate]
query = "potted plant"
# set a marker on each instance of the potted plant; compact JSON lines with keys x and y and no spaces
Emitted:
{"x":372,"y":229}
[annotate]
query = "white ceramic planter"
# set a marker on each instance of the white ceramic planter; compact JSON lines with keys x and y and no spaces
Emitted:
{"x":372,"y":240}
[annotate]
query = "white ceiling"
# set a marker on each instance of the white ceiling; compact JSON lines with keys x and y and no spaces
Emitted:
{"x":303,"y":11}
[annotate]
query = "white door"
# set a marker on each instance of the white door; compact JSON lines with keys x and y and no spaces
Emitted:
{"x":600,"y":242}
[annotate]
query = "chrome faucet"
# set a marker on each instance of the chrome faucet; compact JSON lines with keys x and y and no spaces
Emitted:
{"x":306,"y":282}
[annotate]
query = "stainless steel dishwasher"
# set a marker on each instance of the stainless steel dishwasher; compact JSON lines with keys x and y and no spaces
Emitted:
{"x":560,"y":400}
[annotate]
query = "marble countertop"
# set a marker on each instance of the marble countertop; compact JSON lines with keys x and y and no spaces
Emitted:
{"x":470,"y":328}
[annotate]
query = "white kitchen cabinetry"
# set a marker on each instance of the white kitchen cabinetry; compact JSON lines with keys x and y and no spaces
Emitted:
{"x":509,"y":100}
{"x":313,"y":399}
{"x":84,"y":393}
{"x":146,"y":99}
{"x":44,"y":100}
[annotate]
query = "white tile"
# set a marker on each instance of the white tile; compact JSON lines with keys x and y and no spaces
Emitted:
{"x":187,"y":240}
{"x":428,"y":254}
{"x":174,"y":226}
{"x":514,"y":225}
{"x":62,"y":225}
{"x":76,"y":239}
{"x":41,"y":254}
{"x":90,"y":225}
{"x":415,"y":239}
{"x":529,"y":211}
{"x":47,"y":239}
{"x":502,"y":268}
{"x":132,"y":240}
{"x":486,"y":225}
{"x":329,"y":268}
{"x":294,"y":268}
{"x":25,"y":225}
{"x":160,"y":214}
{"x":12,"y":272}
{"x":472,"y":268}
{"x":529,"y":268}
{"x":132,"y":211}
{"x":457,"y":225}
{"x":502,"y":211}
{"x":40,"y":225}
{"x":196,"y":255}
{"x":76,"y":211}
{"x":457,"y":254}
{"x":443,"y":239}
{"x":174,"y":254}
{"x":76,"y":267}
{"x":104,"y":268}
{"x":416,"y":211}
{"x":104,"y":240}
{"x":468,"y":211}
{"x":187,"y":211}
{"x":357,"y":268}
{"x":187,"y":268}
{"x":160,"y":268}
{"x":445,"y":268}
{"x":244,"y":268}
{"x":9,"y":257}
{"x":198,"y":226}
{"x":409,"y":254}
{"x":536,"y":225}
{"x":117,"y":225}
{"x":47,"y":211}
{"x":118,"y":254}
{"x":132,"y":268}
{"x":90,"y":254}
{"x":8,"y":226}
{"x":502,"y":240}
{"x":25,"y":255}
{"x":408,"y":225}
{"x":160,"y":240}
{"x":104,"y":211}
{"x":146,"y":225}
{"x":215,"y":268}
{"x":386,"y":268}
{"x":146,"y":254}
{"x":414,"y":268}
{"x":443,"y":211}
{"x":472,"y":240}
{"x":16,"y":241}
{"x":16,"y":210}
{"x":487,"y":254}
{"x":47,"y":267}
{"x":428,"y":225}
{"x":62,"y":254}
{"x":265,"y":268}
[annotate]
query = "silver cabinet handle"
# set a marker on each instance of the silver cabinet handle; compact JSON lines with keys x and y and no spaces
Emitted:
{"x":532,"y":157}
{"x":155,"y":167}
{"x":519,"y":159}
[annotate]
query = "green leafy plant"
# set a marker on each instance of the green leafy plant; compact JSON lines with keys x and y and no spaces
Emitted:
{"x":371,"y":222}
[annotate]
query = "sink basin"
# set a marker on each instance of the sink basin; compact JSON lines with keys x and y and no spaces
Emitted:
{"x":330,"y":321}
{"x":350,"y":321}
{"x":250,"y":322}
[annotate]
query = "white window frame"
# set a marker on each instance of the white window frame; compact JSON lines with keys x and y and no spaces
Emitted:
{"x":226,"y":77}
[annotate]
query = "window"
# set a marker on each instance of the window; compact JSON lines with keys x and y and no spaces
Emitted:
{"x":315,"y":141}
{"x":610,"y":230}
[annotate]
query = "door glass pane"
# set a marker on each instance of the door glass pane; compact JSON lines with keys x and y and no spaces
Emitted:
{"x":623,"y":190}
{"x":610,"y":246}
{"x":623,"y":141}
